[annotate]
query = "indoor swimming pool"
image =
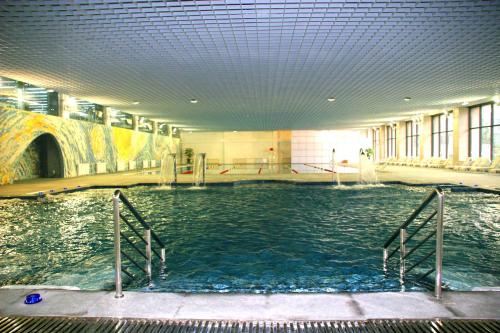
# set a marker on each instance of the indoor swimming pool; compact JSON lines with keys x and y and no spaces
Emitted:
{"x":260,"y":238}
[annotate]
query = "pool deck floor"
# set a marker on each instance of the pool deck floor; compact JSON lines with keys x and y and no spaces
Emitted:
{"x":390,"y":173}
{"x":252,"y":307}
{"x":241,"y":307}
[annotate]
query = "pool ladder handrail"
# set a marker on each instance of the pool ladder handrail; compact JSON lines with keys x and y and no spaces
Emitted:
{"x":404,"y":239}
{"x":149,"y":235}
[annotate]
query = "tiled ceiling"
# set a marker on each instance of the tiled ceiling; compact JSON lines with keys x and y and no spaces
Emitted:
{"x":257,"y":65}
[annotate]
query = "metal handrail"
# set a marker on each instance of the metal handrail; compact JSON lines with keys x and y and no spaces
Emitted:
{"x":404,"y":239}
{"x":149,"y":235}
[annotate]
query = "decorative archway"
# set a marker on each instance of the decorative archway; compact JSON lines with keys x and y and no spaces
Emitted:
{"x":42,"y":158}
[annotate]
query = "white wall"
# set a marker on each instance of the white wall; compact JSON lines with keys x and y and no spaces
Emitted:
{"x":315,"y":147}
{"x":231,"y":147}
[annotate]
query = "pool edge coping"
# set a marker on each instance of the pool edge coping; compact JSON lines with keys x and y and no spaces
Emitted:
{"x":453,"y":187}
{"x":241,"y":307}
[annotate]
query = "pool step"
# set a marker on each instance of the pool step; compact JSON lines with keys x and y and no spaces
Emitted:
{"x":79,"y":324}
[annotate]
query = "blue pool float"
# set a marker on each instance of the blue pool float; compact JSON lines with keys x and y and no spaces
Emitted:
{"x":32,"y":299}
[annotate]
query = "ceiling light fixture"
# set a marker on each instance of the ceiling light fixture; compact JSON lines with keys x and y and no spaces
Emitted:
{"x":135,"y":103}
{"x":50,"y":90}
{"x":194,"y":101}
{"x":465,"y":103}
{"x":331,"y":99}
{"x":496,"y":99}
{"x":407,"y":99}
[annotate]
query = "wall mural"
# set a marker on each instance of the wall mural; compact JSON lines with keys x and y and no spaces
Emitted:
{"x":80,"y":142}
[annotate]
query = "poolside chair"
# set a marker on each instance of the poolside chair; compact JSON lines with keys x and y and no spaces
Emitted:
{"x":465,"y":165}
{"x":423,"y":163}
{"x":481,"y":164}
{"x":495,"y":165}
{"x":448,"y":164}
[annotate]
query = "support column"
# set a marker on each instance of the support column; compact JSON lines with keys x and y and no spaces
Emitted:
{"x":107,"y":116}
{"x":460,"y":134}
{"x":426,"y":138}
{"x":401,"y":139}
{"x":155,"y":127}
{"x":135,"y":122}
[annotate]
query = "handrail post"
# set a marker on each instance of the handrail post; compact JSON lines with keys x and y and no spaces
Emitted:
{"x":147,"y":236}
{"x":439,"y":245}
{"x":162,"y":255}
{"x":402,"y":253}
{"x":203,"y":166}
{"x":118,"y":259}
{"x":174,"y":156}
{"x":386,"y":258}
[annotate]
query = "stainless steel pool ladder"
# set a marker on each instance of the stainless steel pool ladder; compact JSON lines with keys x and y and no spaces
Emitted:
{"x":147,"y":240}
{"x":404,"y":253}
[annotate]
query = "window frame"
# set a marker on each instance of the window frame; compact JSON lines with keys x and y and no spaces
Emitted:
{"x":480,"y":127}
{"x":440,"y":132}
{"x":413,"y":138}
{"x":391,"y":140}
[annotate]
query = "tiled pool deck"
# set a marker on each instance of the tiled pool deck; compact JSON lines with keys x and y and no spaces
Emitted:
{"x":390,"y":173}
{"x":276,"y":307}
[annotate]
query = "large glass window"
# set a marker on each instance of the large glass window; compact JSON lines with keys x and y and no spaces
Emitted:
{"x":442,"y":135}
{"x":145,"y":125}
{"x":391,"y":141}
{"x":88,"y":111}
{"x":176,"y":132}
{"x":121,"y":119}
{"x":24,"y":96}
{"x":163,"y":129}
{"x":484,"y":131}
{"x":412,"y":138}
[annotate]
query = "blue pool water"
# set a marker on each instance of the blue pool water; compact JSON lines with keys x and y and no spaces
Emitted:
{"x":247,"y":238}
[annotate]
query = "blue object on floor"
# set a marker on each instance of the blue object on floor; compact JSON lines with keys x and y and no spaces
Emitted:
{"x":32,"y":299}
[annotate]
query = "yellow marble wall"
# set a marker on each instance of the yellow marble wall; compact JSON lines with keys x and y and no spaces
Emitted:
{"x":80,"y":142}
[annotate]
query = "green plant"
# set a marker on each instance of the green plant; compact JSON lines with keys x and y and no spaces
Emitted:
{"x":189,"y":154}
{"x":369,"y":153}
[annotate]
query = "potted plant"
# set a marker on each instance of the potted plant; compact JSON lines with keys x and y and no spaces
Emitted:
{"x":189,"y":154}
{"x":369,"y":153}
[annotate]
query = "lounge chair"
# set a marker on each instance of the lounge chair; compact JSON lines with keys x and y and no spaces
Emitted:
{"x":495,"y":165}
{"x":465,"y":165}
{"x":481,"y":164}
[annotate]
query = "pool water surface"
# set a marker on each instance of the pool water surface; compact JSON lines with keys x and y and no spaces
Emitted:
{"x":262,"y":238}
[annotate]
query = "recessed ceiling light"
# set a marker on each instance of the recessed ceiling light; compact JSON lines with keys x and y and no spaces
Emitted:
{"x":194,"y":101}
{"x":331,"y":99}
{"x":135,"y":103}
{"x":407,"y":99}
{"x":235,"y":131}
{"x":50,"y":90}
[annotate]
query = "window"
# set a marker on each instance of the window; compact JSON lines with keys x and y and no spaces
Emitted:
{"x":176,"y":132}
{"x":442,"y":135}
{"x":412,"y":138}
{"x":376,"y":143}
{"x":484,"y":131}
{"x":24,"y":96}
{"x":88,"y":112}
{"x":145,"y":125}
{"x":163,"y":129}
{"x":391,"y":141}
{"x":121,"y":119}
